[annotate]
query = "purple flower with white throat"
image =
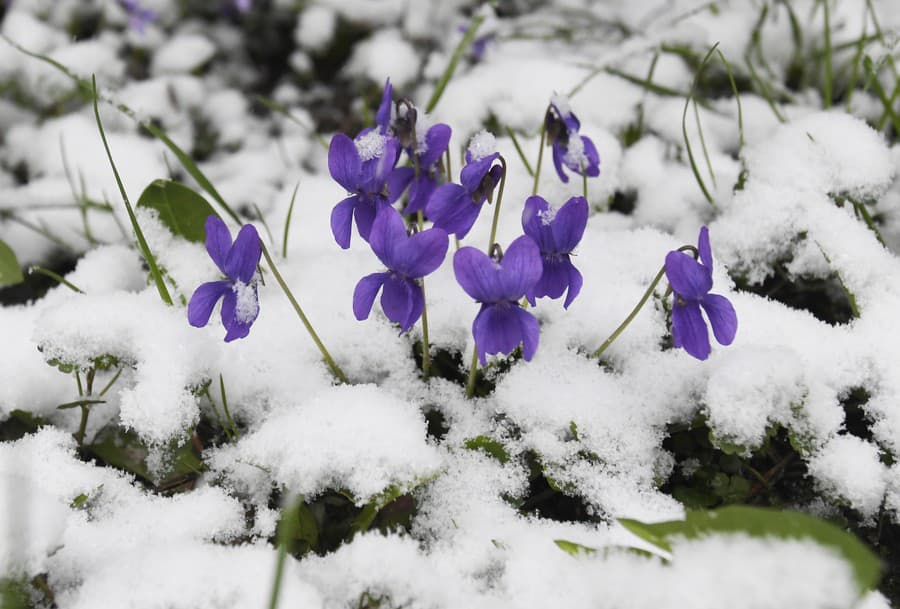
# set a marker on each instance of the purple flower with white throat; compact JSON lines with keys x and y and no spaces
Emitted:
{"x":691,"y":281}
{"x":499,"y":284}
{"x":455,"y":207}
{"x":570,"y":149}
{"x":408,"y":258}
{"x":238,"y":262}
{"x":556,"y":232}
{"x":365,"y":168}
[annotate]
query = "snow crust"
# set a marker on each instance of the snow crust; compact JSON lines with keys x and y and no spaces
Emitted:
{"x":596,"y":431}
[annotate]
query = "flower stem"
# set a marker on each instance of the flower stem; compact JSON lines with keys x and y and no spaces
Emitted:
{"x":537,"y":168}
{"x":631,"y":316}
{"x":641,"y":303}
{"x":89,"y":387}
{"x":426,"y":346}
{"x":496,"y":219}
{"x":335,"y":369}
{"x":473,"y":367}
{"x":473,"y":370}
{"x":287,"y":530}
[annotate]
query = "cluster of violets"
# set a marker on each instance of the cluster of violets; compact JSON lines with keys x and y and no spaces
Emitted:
{"x":537,"y":264}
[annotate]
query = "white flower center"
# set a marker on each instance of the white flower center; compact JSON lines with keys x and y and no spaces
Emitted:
{"x":247,"y":307}
{"x":483,"y":144}
{"x":371,"y":145}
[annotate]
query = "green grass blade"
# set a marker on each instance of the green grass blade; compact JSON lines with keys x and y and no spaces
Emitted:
{"x":142,"y":243}
{"x":828,"y":76}
{"x":454,"y":60}
{"x":287,"y":222}
{"x":522,"y":156}
{"x":687,"y":141}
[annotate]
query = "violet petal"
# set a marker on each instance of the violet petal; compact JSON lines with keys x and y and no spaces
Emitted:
{"x":704,"y":248}
{"x":477,"y":274}
{"x":689,"y":327}
{"x":688,"y":278}
{"x":218,"y":241}
{"x":344,"y":162}
{"x":342,"y":220}
{"x":236,"y":328}
{"x":521,"y":268}
{"x":204,"y":300}
{"x":568,"y":225}
{"x":722,"y":317}
{"x":243,"y":258}
{"x":365,"y":292}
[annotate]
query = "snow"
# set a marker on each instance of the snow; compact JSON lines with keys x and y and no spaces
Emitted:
{"x":183,"y":54}
{"x":596,"y":431}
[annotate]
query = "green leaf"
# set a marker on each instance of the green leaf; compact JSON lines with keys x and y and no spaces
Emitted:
{"x":575,"y":549}
{"x":181,"y":209}
{"x":488,"y":445}
{"x":367,"y":516}
{"x":10,"y":271}
{"x":646,"y":532}
{"x":766,"y":522}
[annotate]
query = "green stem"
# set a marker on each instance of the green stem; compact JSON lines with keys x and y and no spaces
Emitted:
{"x":537,"y":168}
{"x":426,"y":345}
{"x":515,"y":142}
{"x":826,"y":84}
{"x":287,"y":530}
{"x":496,"y":219}
{"x":82,"y":426}
{"x":55,"y":277}
{"x":473,"y":372}
{"x":473,"y":367}
{"x":111,"y":382}
{"x":335,"y":369}
{"x":234,"y":429}
{"x":631,"y":316}
{"x":89,"y":387}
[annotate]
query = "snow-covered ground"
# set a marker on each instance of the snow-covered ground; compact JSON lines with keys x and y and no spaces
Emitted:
{"x":165,"y":503}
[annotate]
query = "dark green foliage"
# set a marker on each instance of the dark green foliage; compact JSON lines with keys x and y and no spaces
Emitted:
{"x":34,"y":285}
{"x":826,"y":299}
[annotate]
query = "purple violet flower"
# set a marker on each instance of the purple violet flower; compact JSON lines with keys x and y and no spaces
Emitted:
{"x":138,"y":16}
{"x":570,"y":149}
{"x":501,"y":323}
{"x":455,"y":207}
{"x":556,"y":232}
{"x":408,"y":258}
{"x":365,"y":168}
{"x":691,"y":281}
{"x":243,"y":6}
{"x":429,"y":151}
{"x":238,"y":261}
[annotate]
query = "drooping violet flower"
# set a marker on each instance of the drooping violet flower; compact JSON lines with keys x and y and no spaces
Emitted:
{"x":501,"y":323}
{"x":138,"y":16}
{"x":455,"y":207}
{"x":408,"y":258}
{"x":365,"y":168}
{"x":428,"y":150}
{"x":570,"y":149}
{"x":691,"y":281}
{"x":556,"y":232}
{"x":238,"y":262}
